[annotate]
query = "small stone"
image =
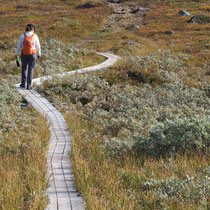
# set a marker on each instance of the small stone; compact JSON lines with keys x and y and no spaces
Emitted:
{"x":184,"y":13}
{"x":106,"y":107}
{"x":21,"y":7}
{"x":133,"y":27}
{"x":114,"y":1}
{"x":169,"y":32}
{"x":131,"y":43}
{"x":86,"y":6}
{"x":199,"y":19}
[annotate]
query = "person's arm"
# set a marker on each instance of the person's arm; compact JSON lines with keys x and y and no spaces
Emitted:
{"x":20,"y":45}
{"x":37,"y":46}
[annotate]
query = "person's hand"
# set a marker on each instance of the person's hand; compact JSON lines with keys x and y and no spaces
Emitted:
{"x":38,"y":56}
{"x":16,"y":56}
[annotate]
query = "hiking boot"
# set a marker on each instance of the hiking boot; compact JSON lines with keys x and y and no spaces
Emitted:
{"x":29,"y":88}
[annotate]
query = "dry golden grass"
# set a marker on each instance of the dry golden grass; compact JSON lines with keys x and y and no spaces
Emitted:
{"x":117,"y":183}
{"x":53,"y":19}
{"x":23,"y":168}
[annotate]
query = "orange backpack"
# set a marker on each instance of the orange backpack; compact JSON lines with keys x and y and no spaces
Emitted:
{"x":28,"y":44}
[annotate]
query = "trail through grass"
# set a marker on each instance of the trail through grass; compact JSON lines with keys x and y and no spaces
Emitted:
{"x":96,"y":103}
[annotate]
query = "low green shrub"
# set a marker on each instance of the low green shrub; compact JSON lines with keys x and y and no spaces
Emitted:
{"x":183,"y":189}
{"x":166,"y":140}
{"x":58,"y":57}
{"x":12,"y":116}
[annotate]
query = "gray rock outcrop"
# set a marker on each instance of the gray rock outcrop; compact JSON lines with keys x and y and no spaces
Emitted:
{"x":131,"y":43}
{"x":184,"y":13}
{"x":199,"y":19}
{"x":87,"y":5}
{"x":169,"y":32}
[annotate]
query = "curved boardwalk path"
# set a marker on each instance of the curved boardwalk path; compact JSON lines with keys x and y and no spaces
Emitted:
{"x":61,"y":191}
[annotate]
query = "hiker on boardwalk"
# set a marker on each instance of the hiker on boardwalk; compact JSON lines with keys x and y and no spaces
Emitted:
{"x":30,"y":49}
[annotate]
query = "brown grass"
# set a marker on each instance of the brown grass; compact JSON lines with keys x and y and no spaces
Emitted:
{"x":117,"y":183}
{"x":23,"y":168}
{"x":52,"y":18}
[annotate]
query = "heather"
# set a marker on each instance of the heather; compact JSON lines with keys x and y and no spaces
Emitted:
{"x":140,"y":129}
{"x":129,"y":117}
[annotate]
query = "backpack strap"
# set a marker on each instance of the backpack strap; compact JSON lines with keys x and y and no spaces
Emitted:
{"x":33,"y":35}
{"x":30,"y":36}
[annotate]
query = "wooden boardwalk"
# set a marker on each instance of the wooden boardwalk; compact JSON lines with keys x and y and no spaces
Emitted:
{"x":61,"y":190}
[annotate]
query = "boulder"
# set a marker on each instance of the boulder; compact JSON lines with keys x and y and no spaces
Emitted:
{"x":199,"y":19}
{"x":87,"y":5}
{"x":21,"y":7}
{"x":114,"y":1}
{"x":131,"y":43}
{"x":184,"y":13}
{"x":169,"y":32}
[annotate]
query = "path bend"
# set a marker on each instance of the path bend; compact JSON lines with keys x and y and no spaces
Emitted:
{"x":61,"y":189}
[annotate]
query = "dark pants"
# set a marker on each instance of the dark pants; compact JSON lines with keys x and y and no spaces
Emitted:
{"x":28,"y":64}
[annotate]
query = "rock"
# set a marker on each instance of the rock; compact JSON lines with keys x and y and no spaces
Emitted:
{"x":131,"y":43}
{"x":184,"y":13}
{"x":21,"y":7}
{"x":86,"y":6}
{"x":106,"y":107}
{"x":133,"y":27}
{"x":199,"y":19}
{"x":140,"y":9}
{"x":114,"y":1}
{"x":169,"y":32}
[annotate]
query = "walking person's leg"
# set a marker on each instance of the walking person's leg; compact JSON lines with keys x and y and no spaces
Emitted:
{"x":31,"y":65}
{"x":24,"y":61}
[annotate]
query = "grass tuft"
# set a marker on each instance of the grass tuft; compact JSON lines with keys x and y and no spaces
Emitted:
{"x":23,"y":168}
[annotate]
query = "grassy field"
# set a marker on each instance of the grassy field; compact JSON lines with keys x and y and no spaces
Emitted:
{"x":140,"y":129}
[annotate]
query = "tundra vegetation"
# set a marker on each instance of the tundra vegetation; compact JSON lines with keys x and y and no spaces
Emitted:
{"x":140,"y":130}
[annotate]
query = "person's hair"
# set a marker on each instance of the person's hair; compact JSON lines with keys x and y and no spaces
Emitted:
{"x":30,"y":27}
